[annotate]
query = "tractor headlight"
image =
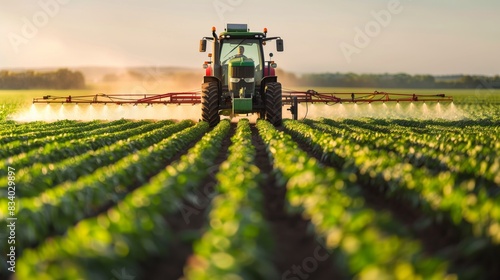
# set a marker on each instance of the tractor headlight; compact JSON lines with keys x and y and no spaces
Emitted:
{"x":237,"y":80}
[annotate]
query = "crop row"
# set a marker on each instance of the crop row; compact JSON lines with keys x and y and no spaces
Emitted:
{"x":437,"y":194}
{"x":129,"y":232}
{"x":41,"y":176}
{"x":481,"y":111}
{"x":468,"y":140}
{"x":444,"y":139}
{"x":474,"y":162}
{"x":56,"y":151}
{"x":10,"y":128}
{"x":18,"y":148}
{"x":21,"y":133}
{"x":237,"y":241}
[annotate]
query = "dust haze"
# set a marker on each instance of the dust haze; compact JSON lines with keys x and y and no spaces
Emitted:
{"x":143,"y":79}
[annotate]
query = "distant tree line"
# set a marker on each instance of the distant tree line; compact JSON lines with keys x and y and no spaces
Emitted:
{"x":400,"y":80}
{"x":59,"y":79}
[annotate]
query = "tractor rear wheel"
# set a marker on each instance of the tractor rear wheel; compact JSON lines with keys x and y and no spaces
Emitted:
{"x":273,"y":103}
{"x":210,"y":103}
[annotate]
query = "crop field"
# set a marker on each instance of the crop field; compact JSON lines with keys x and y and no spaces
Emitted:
{"x":317,"y":198}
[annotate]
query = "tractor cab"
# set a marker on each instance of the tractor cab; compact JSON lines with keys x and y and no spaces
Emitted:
{"x":238,"y":68}
{"x":241,"y":62}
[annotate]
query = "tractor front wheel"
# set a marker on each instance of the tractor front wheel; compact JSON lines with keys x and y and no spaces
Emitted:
{"x":273,"y":103}
{"x":210,"y":103}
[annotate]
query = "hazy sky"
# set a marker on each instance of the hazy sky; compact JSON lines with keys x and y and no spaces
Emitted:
{"x":364,"y":36}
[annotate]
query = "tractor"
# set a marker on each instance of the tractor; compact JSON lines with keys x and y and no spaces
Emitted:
{"x":238,"y":79}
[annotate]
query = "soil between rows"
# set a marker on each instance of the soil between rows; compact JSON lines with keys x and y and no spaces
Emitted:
{"x":295,"y":246}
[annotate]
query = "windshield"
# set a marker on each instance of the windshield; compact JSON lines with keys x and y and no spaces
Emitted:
{"x":249,"y":48}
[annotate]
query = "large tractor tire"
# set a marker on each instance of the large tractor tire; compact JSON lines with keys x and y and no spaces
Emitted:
{"x":210,"y":103}
{"x":273,"y":103}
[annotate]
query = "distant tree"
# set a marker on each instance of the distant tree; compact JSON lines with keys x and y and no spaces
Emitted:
{"x":399,"y":80}
{"x":467,"y":81}
{"x":60,"y":79}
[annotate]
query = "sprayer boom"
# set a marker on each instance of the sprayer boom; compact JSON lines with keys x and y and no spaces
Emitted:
{"x":291,"y":98}
{"x":288,"y":97}
{"x":309,"y":96}
{"x":101,"y":98}
{"x":312,"y":96}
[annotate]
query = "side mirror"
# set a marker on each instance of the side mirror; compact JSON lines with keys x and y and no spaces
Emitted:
{"x":203,"y":45}
{"x":279,"y":45}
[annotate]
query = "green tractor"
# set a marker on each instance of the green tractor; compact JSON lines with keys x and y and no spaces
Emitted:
{"x":238,"y":79}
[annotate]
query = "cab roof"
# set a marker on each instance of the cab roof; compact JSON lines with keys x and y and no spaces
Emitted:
{"x":240,"y":31}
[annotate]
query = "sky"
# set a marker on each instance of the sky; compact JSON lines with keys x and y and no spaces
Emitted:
{"x":363,"y":36}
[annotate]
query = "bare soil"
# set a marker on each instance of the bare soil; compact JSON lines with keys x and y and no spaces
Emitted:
{"x":296,"y":249}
